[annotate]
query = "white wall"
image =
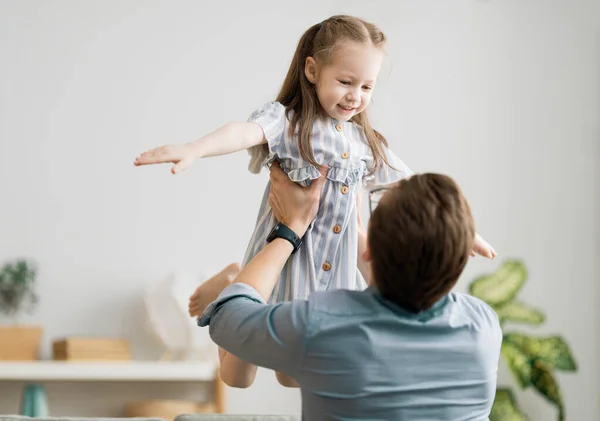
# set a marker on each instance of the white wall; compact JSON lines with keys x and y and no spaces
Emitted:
{"x":502,"y":95}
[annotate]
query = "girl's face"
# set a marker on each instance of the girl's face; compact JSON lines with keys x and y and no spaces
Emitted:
{"x":344,"y":85}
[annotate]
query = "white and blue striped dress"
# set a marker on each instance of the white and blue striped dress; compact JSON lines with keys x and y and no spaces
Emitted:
{"x":328,"y":257}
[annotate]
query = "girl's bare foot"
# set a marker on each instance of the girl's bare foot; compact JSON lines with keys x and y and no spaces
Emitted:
{"x":210,"y":289}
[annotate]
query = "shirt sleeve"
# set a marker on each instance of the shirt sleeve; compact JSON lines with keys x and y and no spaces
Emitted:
{"x":271,"y":117}
{"x":384,"y":174}
{"x":271,"y":336}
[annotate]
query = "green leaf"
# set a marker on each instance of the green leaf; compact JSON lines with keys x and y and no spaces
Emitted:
{"x":543,"y":380}
{"x":518,"y":312}
{"x":552,"y":350}
{"x":518,"y":362}
{"x":505,"y":407}
{"x":17,"y":287}
{"x":501,"y":286}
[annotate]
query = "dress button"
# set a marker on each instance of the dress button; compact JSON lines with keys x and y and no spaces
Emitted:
{"x":345,"y":155}
{"x":345,"y":189}
{"x":337,"y":229}
{"x":339,"y":127}
{"x":326,"y":266}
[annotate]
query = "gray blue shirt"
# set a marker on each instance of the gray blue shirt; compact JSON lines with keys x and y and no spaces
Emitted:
{"x":328,"y":257}
{"x":358,"y":356}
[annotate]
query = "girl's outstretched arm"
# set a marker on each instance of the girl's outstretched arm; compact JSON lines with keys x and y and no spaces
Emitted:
{"x":231,"y":137}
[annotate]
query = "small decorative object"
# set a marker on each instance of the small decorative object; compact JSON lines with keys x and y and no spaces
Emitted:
{"x":530,"y":359}
{"x":17,"y":295}
{"x":34,"y":402}
{"x":166,"y":305}
{"x":91,"y":349}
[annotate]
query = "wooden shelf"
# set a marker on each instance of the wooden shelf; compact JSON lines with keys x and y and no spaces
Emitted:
{"x":108,"y":371}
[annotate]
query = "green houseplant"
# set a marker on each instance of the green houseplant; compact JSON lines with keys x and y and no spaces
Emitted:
{"x":18,"y":295}
{"x":532,"y":360}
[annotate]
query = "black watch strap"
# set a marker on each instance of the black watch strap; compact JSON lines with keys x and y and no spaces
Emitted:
{"x":282,"y":231}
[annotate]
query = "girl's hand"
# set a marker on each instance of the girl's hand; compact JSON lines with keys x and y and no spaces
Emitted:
{"x":182,"y":155}
{"x":482,"y":248}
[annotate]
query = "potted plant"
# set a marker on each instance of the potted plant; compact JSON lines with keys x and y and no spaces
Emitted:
{"x":17,"y":295}
{"x":530,"y":359}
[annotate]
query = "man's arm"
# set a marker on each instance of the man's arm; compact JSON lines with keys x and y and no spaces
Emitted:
{"x":271,"y":336}
{"x":294,"y":206}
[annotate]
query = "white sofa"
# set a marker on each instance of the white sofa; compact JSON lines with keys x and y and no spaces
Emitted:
{"x":183,"y":417}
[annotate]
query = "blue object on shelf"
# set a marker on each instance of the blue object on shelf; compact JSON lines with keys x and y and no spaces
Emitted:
{"x":34,"y":402}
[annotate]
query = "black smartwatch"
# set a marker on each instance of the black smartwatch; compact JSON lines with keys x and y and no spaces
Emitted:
{"x":281,"y":231}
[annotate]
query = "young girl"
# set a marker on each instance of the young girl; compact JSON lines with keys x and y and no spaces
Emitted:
{"x":318,"y":119}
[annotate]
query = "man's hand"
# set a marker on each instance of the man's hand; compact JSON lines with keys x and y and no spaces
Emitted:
{"x":293,"y":205}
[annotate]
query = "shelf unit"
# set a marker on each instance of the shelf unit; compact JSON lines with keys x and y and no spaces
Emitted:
{"x":107,"y":371}
{"x":118,"y":371}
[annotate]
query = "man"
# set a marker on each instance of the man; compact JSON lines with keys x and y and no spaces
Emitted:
{"x":406,"y":348}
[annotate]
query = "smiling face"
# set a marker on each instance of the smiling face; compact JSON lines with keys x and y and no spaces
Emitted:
{"x":345,"y":83}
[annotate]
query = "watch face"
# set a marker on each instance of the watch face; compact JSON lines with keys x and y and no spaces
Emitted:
{"x":281,"y":231}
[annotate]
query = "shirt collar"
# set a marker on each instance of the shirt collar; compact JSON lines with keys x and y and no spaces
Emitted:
{"x":424,"y":315}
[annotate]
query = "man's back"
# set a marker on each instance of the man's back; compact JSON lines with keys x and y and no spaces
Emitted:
{"x":367,"y":359}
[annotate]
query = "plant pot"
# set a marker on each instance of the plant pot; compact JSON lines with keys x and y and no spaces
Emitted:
{"x":20,"y":343}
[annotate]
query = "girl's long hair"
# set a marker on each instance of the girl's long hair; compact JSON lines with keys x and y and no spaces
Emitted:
{"x":297,"y":94}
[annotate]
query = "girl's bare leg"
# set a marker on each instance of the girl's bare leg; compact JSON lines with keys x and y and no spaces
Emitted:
{"x":233,"y":371}
{"x":286,"y":380}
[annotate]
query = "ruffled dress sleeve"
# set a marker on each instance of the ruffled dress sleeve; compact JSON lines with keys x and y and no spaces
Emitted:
{"x":271,"y":117}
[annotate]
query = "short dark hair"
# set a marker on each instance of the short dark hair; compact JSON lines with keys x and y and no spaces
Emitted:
{"x":420,"y":237}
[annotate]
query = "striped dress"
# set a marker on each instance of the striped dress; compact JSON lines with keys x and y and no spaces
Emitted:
{"x":328,"y":257}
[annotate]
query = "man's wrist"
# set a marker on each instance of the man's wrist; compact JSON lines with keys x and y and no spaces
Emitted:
{"x":281,"y":230}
